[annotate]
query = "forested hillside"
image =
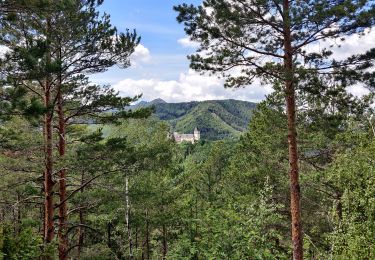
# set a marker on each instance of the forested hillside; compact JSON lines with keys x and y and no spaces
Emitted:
{"x":216,"y":119}
{"x":86,"y":175}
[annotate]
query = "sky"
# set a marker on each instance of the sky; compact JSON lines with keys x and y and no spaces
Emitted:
{"x":160,"y":68}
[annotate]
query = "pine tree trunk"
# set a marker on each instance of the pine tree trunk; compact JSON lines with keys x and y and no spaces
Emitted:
{"x":17,"y":215}
{"x":48,"y":153}
{"x":165,"y":243}
{"x":48,"y":181}
{"x":136,"y":238}
{"x":338,"y":196}
{"x":127,"y":217}
{"x":63,"y":239}
{"x":81,"y":222}
{"x":80,"y":234}
{"x":109,"y":235}
{"x":295,"y":206}
{"x":41,"y":223}
{"x":147,"y":237}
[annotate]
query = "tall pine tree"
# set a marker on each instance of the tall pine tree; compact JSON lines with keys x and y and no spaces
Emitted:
{"x":52,"y":50}
{"x":268,"y":39}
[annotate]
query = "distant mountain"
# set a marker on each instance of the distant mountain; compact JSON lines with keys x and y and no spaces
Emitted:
{"x":157,"y":101}
{"x":216,"y":119}
{"x":148,"y":104}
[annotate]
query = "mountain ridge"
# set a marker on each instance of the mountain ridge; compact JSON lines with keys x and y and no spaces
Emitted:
{"x":216,"y":119}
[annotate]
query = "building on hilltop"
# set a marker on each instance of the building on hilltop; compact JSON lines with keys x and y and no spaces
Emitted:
{"x":192,"y":138}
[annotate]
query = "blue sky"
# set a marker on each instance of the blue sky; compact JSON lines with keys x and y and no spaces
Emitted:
{"x":160,"y":68}
{"x":155,"y":21}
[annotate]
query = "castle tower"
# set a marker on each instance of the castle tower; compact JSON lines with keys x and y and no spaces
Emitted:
{"x":197,"y":134}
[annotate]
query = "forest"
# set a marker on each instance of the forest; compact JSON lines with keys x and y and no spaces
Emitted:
{"x":86,"y":173}
{"x":216,"y":119}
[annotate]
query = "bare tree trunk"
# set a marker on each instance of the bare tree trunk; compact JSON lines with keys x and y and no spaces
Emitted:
{"x":372,"y":126}
{"x":295,"y":207}
{"x":41,"y":223}
{"x":81,"y":222}
{"x":136,"y":237}
{"x":48,"y":181}
{"x":165,"y":243}
{"x":17,"y":215}
{"x":63,"y":209}
{"x":48,"y":154}
{"x":147,"y":237}
{"x":127,"y":217}
{"x":338,"y":196}
{"x":81,"y":235}
{"x":109,"y":235}
{"x":3,"y":213}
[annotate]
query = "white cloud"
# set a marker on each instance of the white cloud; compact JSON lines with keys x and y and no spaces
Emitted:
{"x":187,"y":43}
{"x":190,"y":86}
{"x":3,"y":51}
{"x":354,"y":44}
{"x":140,"y":55}
{"x":358,"y":90}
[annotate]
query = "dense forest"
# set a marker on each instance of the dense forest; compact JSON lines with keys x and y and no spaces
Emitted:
{"x":216,"y":119}
{"x":86,"y":174}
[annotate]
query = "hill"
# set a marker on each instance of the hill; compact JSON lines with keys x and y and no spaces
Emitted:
{"x":216,"y":119}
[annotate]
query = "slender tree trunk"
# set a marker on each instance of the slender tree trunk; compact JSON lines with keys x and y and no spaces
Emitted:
{"x":48,"y":181}
{"x":81,"y":222}
{"x":165,"y":243}
{"x":17,"y":215}
{"x":191,"y":217}
{"x":48,"y":171}
{"x":63,"y":209}
{"x":295,"y":207}
{"x":127,"y":217}
{"x":41,"y":223}
{"x":136,"y":237}
{"x":147,"y":237}
{"x":109,"y":235}
{"x":81,"y":235}
{"x":338,"y":196}
{"x":48,"y":153}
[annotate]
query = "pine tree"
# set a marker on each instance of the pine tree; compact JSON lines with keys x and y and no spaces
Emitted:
{"x":53,"y":48}
{"x":268,"y":39}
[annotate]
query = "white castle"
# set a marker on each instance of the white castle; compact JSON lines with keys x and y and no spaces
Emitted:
{"x":192,"y":138}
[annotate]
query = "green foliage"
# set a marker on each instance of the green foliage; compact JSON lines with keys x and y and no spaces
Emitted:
{"x":250,"y":36}
{"x":48,"y":43}
{"x":232,"y":230}
{"x":135,"y":194}
{"x":216,"y":119}
{"x":210,"y":200}
{"x":353,"y":235}
{"x":98,"y":252}
{"x":26,"y":245}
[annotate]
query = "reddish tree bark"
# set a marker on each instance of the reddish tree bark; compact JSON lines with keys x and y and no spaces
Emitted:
{"x":295,"y":207}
